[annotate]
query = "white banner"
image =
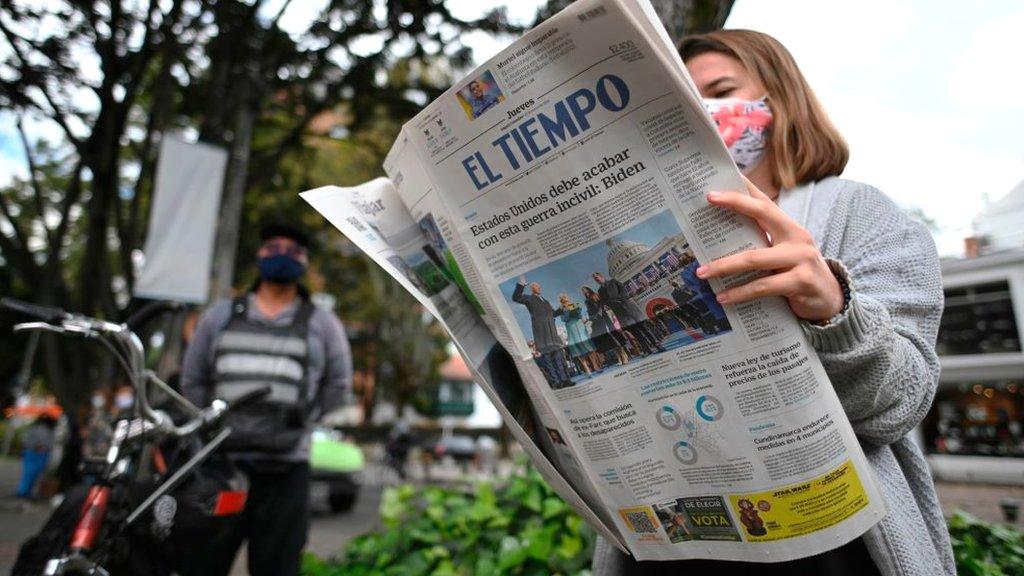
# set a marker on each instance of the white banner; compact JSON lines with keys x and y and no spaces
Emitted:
{"x":182,"y":222}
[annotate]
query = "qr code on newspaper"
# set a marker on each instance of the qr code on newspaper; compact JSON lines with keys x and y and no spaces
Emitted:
{"x":640,"y":520}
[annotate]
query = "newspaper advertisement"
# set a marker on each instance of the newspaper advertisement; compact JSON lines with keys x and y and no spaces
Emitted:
{"x":555,"y":201}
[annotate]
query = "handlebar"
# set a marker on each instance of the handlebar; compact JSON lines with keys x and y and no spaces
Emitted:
{"x":250,"y":397}
{"x":38,"y":311}
{"x":149,"y":310}
{"x":205,"y":418}
{"x":124,"y":344}
{"x":129,"y":351}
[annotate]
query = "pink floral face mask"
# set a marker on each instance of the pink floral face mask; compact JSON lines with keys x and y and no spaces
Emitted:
{"x":743,"y":125}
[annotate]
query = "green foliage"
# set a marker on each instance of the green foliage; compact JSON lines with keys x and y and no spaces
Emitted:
{"x":522,"y":528}
{"x":983,"y":549}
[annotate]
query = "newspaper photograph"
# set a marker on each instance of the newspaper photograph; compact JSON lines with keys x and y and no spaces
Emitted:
{"x":550,"y":209}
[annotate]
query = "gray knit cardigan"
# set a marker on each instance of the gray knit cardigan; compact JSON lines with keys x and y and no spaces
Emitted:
{"x":880,"y":356}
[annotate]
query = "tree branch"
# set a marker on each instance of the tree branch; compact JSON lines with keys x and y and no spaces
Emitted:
{"x":37,"y":187}
{"x":71,"y":195}
{"x":19,"y":259}
{"x":277,"y":18}
{"x":55,"y":113}
{"x":19,"y":233}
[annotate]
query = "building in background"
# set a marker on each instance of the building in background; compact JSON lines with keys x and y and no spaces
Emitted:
{"x":999,"y":226}
{"x":975,"y":430}
{"x":456,"y":402}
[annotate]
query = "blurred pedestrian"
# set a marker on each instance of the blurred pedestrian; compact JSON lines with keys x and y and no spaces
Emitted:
{"x":486,"y":448}
{"x":400,"y":440}
{"x":96,"y":434}
{"x":37,"y":444}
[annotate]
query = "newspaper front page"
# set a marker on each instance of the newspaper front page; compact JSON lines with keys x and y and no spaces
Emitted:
{"x":555,"y":214}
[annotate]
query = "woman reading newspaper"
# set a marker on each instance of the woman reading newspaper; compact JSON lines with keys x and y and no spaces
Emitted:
{"x":860,"y":273}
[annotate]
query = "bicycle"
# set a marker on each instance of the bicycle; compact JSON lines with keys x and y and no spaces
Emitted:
{"x":110,"y":510}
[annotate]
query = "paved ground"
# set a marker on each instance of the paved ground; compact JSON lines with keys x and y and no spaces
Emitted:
{"x":982,"y":500}
{"x":19,"y":520}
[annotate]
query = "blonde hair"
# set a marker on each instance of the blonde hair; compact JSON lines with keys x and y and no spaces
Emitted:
{"x":804,"y":144}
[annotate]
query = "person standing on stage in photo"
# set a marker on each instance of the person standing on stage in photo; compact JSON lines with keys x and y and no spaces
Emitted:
{"x":705,"y":295}
{"x":578,"y":340}
{"x":861,"y":275}
{"x":269,"y":337}
{"x":602,"y":328}
{"x":614,"y":294}
{"x":690,"y":309}
{"x":545,"y":335}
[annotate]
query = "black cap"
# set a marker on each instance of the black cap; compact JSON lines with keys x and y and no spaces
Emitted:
{"x":279,"y":230}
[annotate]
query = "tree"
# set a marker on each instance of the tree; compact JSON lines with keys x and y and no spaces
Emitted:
{"x":112,"y":77}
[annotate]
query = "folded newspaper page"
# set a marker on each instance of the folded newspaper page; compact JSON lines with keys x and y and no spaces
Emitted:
{"x":550,"y":211}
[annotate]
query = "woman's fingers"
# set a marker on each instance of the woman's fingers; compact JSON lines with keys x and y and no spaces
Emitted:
{"x":771,"y":285}
{"x":773,"y":258}
{"x":801,"y":274}
{"x":760,"y":207}
{"x":769,"y":217}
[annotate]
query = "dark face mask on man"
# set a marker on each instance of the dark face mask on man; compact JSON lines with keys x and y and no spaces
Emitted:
{"x":281,"y":269}
{"x":282,"y":261}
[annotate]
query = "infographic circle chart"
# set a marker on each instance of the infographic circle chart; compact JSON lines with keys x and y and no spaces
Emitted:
{"x":710,"y":408}
{"x":668,"y":418}
{"x":684,"y":453}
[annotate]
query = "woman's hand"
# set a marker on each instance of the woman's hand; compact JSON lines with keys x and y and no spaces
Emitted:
{"x":797,"y":270}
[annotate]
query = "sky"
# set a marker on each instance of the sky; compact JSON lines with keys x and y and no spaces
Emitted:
{"x":928,"y":94}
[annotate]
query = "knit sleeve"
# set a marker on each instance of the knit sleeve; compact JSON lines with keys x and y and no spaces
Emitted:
{"x":197,"y":366}
{"x":880,"y":354}
{"x":336,"y":383}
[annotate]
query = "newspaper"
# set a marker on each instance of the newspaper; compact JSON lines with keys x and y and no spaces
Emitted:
{"x":549,"y":210}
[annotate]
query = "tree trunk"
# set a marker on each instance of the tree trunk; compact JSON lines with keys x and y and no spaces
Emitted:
{"x":223,"y":267}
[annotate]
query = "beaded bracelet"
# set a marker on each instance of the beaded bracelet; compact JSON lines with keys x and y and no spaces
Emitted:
{"x":844,"y":285}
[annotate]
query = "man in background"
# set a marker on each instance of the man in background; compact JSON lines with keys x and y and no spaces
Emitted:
{"x":271,"y":337}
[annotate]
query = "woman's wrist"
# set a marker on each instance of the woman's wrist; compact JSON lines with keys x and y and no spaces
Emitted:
{"x":842,"y":277}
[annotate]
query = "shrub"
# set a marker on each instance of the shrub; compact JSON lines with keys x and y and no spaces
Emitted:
{"x":519,"y":528}
{"x":523,"y":528}
{"x":983,"y":549}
